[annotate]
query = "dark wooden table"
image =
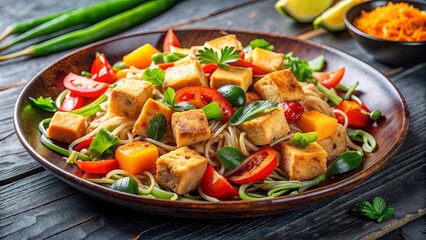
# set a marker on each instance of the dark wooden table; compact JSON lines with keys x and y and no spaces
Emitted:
{"x":35,"y":204}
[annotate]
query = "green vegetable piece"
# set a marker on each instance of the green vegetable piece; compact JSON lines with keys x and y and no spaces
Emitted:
{"x":317,"y":64}
{"x":47,"y":104}
{"x":259,"y":43}
{"x":330,"y":94}
{"x":369,"y":143}
{"x":300,"y":68}
{"x":127,"y":185}
{"x":227,"y":55}
{"x":377,"y":210}
{"x":154,"y":76}
{"x":350,"y":91}
{"x":118,"y":66}
{"x":250,"y":111}
{"x":157,"y":127}
{"x":103,"y":145}
{"x":86,"y":74}
{"x":170,"y":97}
{"x":158,"y":58}
{"x":234,"y":94}
{"x":302,"y":140}
{"x":212,"y":111}
{"x":345,"y":162}
{"x":183,"y":106}
{"x":230,"y":157}
{"x":375,"y":115}
{"x":170,"y":57}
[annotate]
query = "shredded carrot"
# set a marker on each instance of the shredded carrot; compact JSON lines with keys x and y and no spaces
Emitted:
{"x":398,"y":22}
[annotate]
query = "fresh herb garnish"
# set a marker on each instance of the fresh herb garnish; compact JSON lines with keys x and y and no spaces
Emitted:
{"x":345,"y":162}
{"x":259,"y":43}
{"x":230,"y":157}
{"x":157,"y":127}
{"x":183,"y":106}
{"x":300,"y":68}
{"x":226,"y":55}
{"x":47,"y":104}
{"x":154,"y":76}
{"x":377,"y":210}
{"x":248,"y":112}
{"x":126,"y":184}
{"x":302,"y":140}
{"x":169,"y":97}
{"x":169,"y":100}
{"x":103,"y":145}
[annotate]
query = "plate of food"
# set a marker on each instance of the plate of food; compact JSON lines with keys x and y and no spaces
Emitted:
{"x":208,"y":123}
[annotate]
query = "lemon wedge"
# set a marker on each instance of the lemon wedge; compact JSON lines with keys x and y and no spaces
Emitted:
{"x":332,"y":18}
{"x":304,"y":11}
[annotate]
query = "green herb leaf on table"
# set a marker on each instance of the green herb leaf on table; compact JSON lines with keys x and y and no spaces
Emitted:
{"x":248,"y":112}
{"x":302,"y":140}
{"x":300,"y":68}
{"x":154,"y":76}
{"x":226,"y":55}
{"x":47,"y":104}
{"x":157,"y":127}
{"x":103,"y":145}
{"x":377,"y":210}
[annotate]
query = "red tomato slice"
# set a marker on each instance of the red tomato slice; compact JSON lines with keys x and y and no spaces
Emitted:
{"x":330,"y":80}
{"x":102,"y":71}
{"x":170,"y":40}
{"x":83,"y":145}
{"x":256,"y":167}
{"x":256,"y":70}
{"x":215,"y":185}
{"x":98,"y":167}
{"x":201,"y":96}
{"x":353,"y":109}
{"x":72,"y":101}
{"x":164,"y":66}
{"x":83,"y":86}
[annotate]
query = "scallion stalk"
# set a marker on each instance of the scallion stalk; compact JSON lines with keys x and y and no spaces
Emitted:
{"x":212,"y":111}
{"x":332,"y":96}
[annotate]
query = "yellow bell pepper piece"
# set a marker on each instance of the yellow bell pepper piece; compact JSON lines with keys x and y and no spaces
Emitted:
{"x":141,"y":57}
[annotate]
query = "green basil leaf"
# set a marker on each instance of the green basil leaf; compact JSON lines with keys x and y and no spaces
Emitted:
{"x":170,"y":96}
{"x":47,"y":104}
{"x":302,"y":140}
{"x":157,"y":127}
{"x":127,"y":185}
{"x":183,"y":106}
{"x":103,"y":145}
{"x":345,"y":162}
{"x":154,"y":76}
{"x":230,"y":157}
{"x":248,"y":112}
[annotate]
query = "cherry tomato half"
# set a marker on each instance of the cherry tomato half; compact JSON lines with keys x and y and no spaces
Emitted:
{"x":215,"y":185}
{"x":72,"y":101}
{"x":256,"y":167}
{"x":331,"y":79}
{"x":201,"y":96}
{"x":83,"y":86}
{"x":292,"y":110}
{"x":102,"y":71}
{"x":98,"y":167}
{"x":170,"y":40}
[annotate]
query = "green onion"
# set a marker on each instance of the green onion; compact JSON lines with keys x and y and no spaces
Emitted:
{"x":368,"y":142}
{"x":89,"y":108}
{"x":159,"y":193}
{"x":350,"y":91}
{"x":61,"y":97}
{"x":42,"y":124}
{"x":118,"y":66}
{"x":86,"y":74}
{"x":331,"y":95}
{"x":212,"y":111}
{"x":48,"y":143}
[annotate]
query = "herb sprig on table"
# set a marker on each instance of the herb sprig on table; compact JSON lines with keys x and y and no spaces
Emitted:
{"x":377,"y":209}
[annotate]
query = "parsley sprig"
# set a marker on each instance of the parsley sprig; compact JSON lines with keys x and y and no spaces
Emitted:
{"x":154,"y":76}
{"x":377,"y":210}
{"x":226,"y":55}
{"x":46,"y":104}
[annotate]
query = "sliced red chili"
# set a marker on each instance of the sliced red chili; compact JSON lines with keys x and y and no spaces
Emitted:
{"x":256,"y":70}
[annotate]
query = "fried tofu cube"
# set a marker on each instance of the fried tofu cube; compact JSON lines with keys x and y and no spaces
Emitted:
{"x":184,"y":75}
{"x":221,"y":42}
{"x":66,"y":127}
{"x":149,"y":110}
{"x":324,"y":125}
{"x":180,"y":170}
{"x":242,"y":77}
{"x":336,"y":143}
{"x":279,"y":87}
{"x":267,"y":60}
{"x":190,"y":127}
{"x":302,"y":163}
{"x":252,"y":97}
{"x":266,"y":128}
{"x":128,"y":98}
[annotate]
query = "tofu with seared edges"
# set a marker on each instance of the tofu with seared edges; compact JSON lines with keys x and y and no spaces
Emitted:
{"x":336,"y":143}
{"x":190,"y":127}
{"x":184,"y":75}
{"x":252,"y":97}
{"x":66,"y":127}
{"x":302,"y":163}
{"x":128,"y":98}
{"x":180,"y":170}
{"x":224,"y":41}
{"x":149,"y":110}
{"x":242,"y":77}
{"x":267,"y":60}
{"x":279,"y":86}
{"x":265,"y":129}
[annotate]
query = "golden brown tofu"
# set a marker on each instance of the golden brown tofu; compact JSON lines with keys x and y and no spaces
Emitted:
{"x":335,"y":144}
{"x":149,"y":110}
{"x":221,"y":42}
{"x":184,"y":75}
{"x":279,"y":87}
{"x":302,"y":163}
{"x":265,"y":59}
{"x":128,"y":98}
{"x":266,"y":128}
{"x":252,"y":97}
{"x":180,"y":170}
{"x":66,"y":127}
{"x":242,"y":77}
{"x":190,"y":127}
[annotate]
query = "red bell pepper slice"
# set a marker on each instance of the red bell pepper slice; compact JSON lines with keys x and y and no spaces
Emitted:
{"x":72,"y":101}
{"x":164,"y":66}
{"x":84,"y":86}
{"x":102,"y":71}
{"x":330,"y":80}
{"x":201,"y":96}
{"x":170,"y":40}
{"x":215,"y":185}
{"x":209,"y":68}
{"x":256,"y":70}
{"x":83,"y":145}
{"x":355,"y":111}
{"x":98,"y":167}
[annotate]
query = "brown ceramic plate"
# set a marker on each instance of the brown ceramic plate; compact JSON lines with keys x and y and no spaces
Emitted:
{"x":376,"y":91}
